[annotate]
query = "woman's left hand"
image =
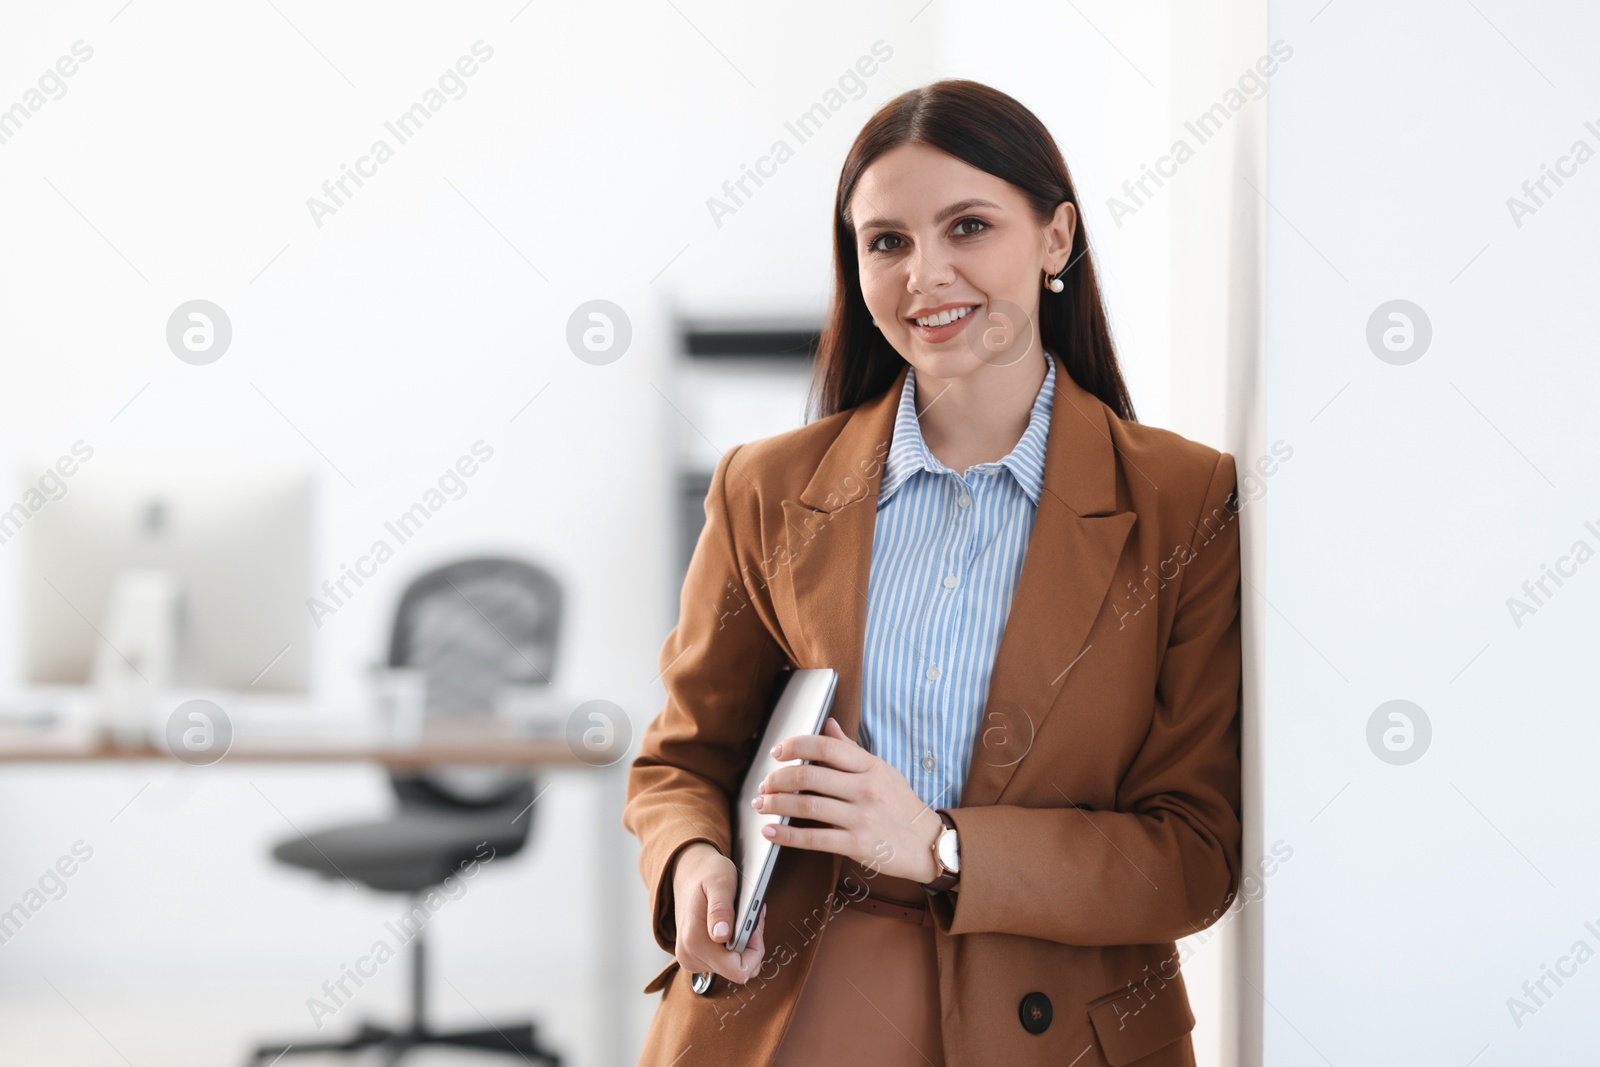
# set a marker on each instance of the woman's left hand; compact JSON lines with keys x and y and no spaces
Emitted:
{"x":874,"y":816}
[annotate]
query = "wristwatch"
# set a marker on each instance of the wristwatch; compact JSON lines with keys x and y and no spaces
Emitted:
{"x":947,"y":855}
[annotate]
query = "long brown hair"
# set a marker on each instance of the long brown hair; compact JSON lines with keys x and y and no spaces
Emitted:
{"x":989,"y":130}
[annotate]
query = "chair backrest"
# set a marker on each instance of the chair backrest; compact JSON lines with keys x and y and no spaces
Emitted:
{"x":473,"y":626}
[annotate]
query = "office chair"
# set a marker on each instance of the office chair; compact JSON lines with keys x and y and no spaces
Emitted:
{"x":471,"y":626}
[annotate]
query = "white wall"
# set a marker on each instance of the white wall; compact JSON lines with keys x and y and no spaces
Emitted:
{"x":1420,"y":497}
{"x":1211,"y":167}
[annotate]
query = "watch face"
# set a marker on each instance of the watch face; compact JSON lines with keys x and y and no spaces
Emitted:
{"x":949,"y":854}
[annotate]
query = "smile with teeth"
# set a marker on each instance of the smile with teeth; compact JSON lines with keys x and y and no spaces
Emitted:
{"x":944,"y":318}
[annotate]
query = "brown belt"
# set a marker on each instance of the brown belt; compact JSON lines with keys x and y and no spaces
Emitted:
{"x":892,"y":899}
{"x":873,"y":905}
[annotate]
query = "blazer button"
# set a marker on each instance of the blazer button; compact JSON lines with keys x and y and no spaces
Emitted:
{"x":1035,"y":1012}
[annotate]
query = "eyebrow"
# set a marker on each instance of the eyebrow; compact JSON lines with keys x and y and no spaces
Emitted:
{"x":953,"y":209}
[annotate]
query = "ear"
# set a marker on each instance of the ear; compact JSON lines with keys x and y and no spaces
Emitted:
{"x":1061,"y":230}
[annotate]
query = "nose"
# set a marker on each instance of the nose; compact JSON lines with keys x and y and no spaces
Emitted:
{"x":927,"y":272}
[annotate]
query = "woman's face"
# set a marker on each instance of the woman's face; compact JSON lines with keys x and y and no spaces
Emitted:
{"x":935,"y":234}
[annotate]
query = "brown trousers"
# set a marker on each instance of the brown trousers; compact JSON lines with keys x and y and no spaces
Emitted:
{"x":872,"y":997}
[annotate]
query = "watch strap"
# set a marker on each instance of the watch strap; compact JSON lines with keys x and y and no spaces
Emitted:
{"x":945,"y":879}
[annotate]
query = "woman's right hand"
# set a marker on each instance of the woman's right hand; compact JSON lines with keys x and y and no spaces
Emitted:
{"x":704,"y":893}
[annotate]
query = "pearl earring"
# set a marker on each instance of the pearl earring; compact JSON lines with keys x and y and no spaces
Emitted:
{"x":1055,"y":285}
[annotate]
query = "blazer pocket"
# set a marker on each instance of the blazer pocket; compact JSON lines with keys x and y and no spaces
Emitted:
{"x":660,"y":981}
{"x":1130,"y":1026}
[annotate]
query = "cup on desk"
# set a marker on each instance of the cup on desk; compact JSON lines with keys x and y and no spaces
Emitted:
{"x":399,"y":700}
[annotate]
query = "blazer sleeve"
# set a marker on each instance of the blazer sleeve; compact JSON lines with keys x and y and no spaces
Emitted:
{"x":1166,"y":862}
{"x":718,"y":666}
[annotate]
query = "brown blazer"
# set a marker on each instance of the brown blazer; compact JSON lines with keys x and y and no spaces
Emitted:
{"x":1100,"y":819}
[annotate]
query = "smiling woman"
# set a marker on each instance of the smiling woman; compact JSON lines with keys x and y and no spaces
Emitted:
{"x":1041,"y":791}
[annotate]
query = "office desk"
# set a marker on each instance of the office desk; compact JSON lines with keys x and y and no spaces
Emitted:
{"x":469,"y":740}
{"x":293,"y":733}
{"x":505,"y":750}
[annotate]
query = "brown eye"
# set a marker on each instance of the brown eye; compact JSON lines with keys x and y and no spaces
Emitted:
{"x":873,"y":245}
{"x":978,"y":222}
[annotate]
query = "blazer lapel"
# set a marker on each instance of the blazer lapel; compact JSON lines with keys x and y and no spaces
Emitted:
{"x":830,"y":549}
{"x":1073,"y":548}
{"x":1072,"y":555}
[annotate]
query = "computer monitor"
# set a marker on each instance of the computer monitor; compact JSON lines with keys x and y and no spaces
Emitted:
{"x":232,"y":539}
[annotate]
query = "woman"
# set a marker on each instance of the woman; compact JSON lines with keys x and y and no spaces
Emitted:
{"x":1030,"y":787}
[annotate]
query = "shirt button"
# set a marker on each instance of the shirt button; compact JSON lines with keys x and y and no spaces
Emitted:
{"x":949,"y":581}
{"x":928,"y":762}
{"x":933,"y":674}
{"x":963,"y":501}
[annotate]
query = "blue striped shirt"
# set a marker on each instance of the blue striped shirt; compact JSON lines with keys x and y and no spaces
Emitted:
{"x":946,"y":555}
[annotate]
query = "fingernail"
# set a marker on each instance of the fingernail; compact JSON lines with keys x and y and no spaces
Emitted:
{"x":776,"y":749}
{"x":720,"y":931}
{"x":757,"y":802}
{"x":769,"y":831}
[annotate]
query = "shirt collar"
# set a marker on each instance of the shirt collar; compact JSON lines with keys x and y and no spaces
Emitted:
{"x":908,"y":452}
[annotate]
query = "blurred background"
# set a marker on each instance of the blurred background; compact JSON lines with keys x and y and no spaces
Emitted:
{"x":365,"y":367}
